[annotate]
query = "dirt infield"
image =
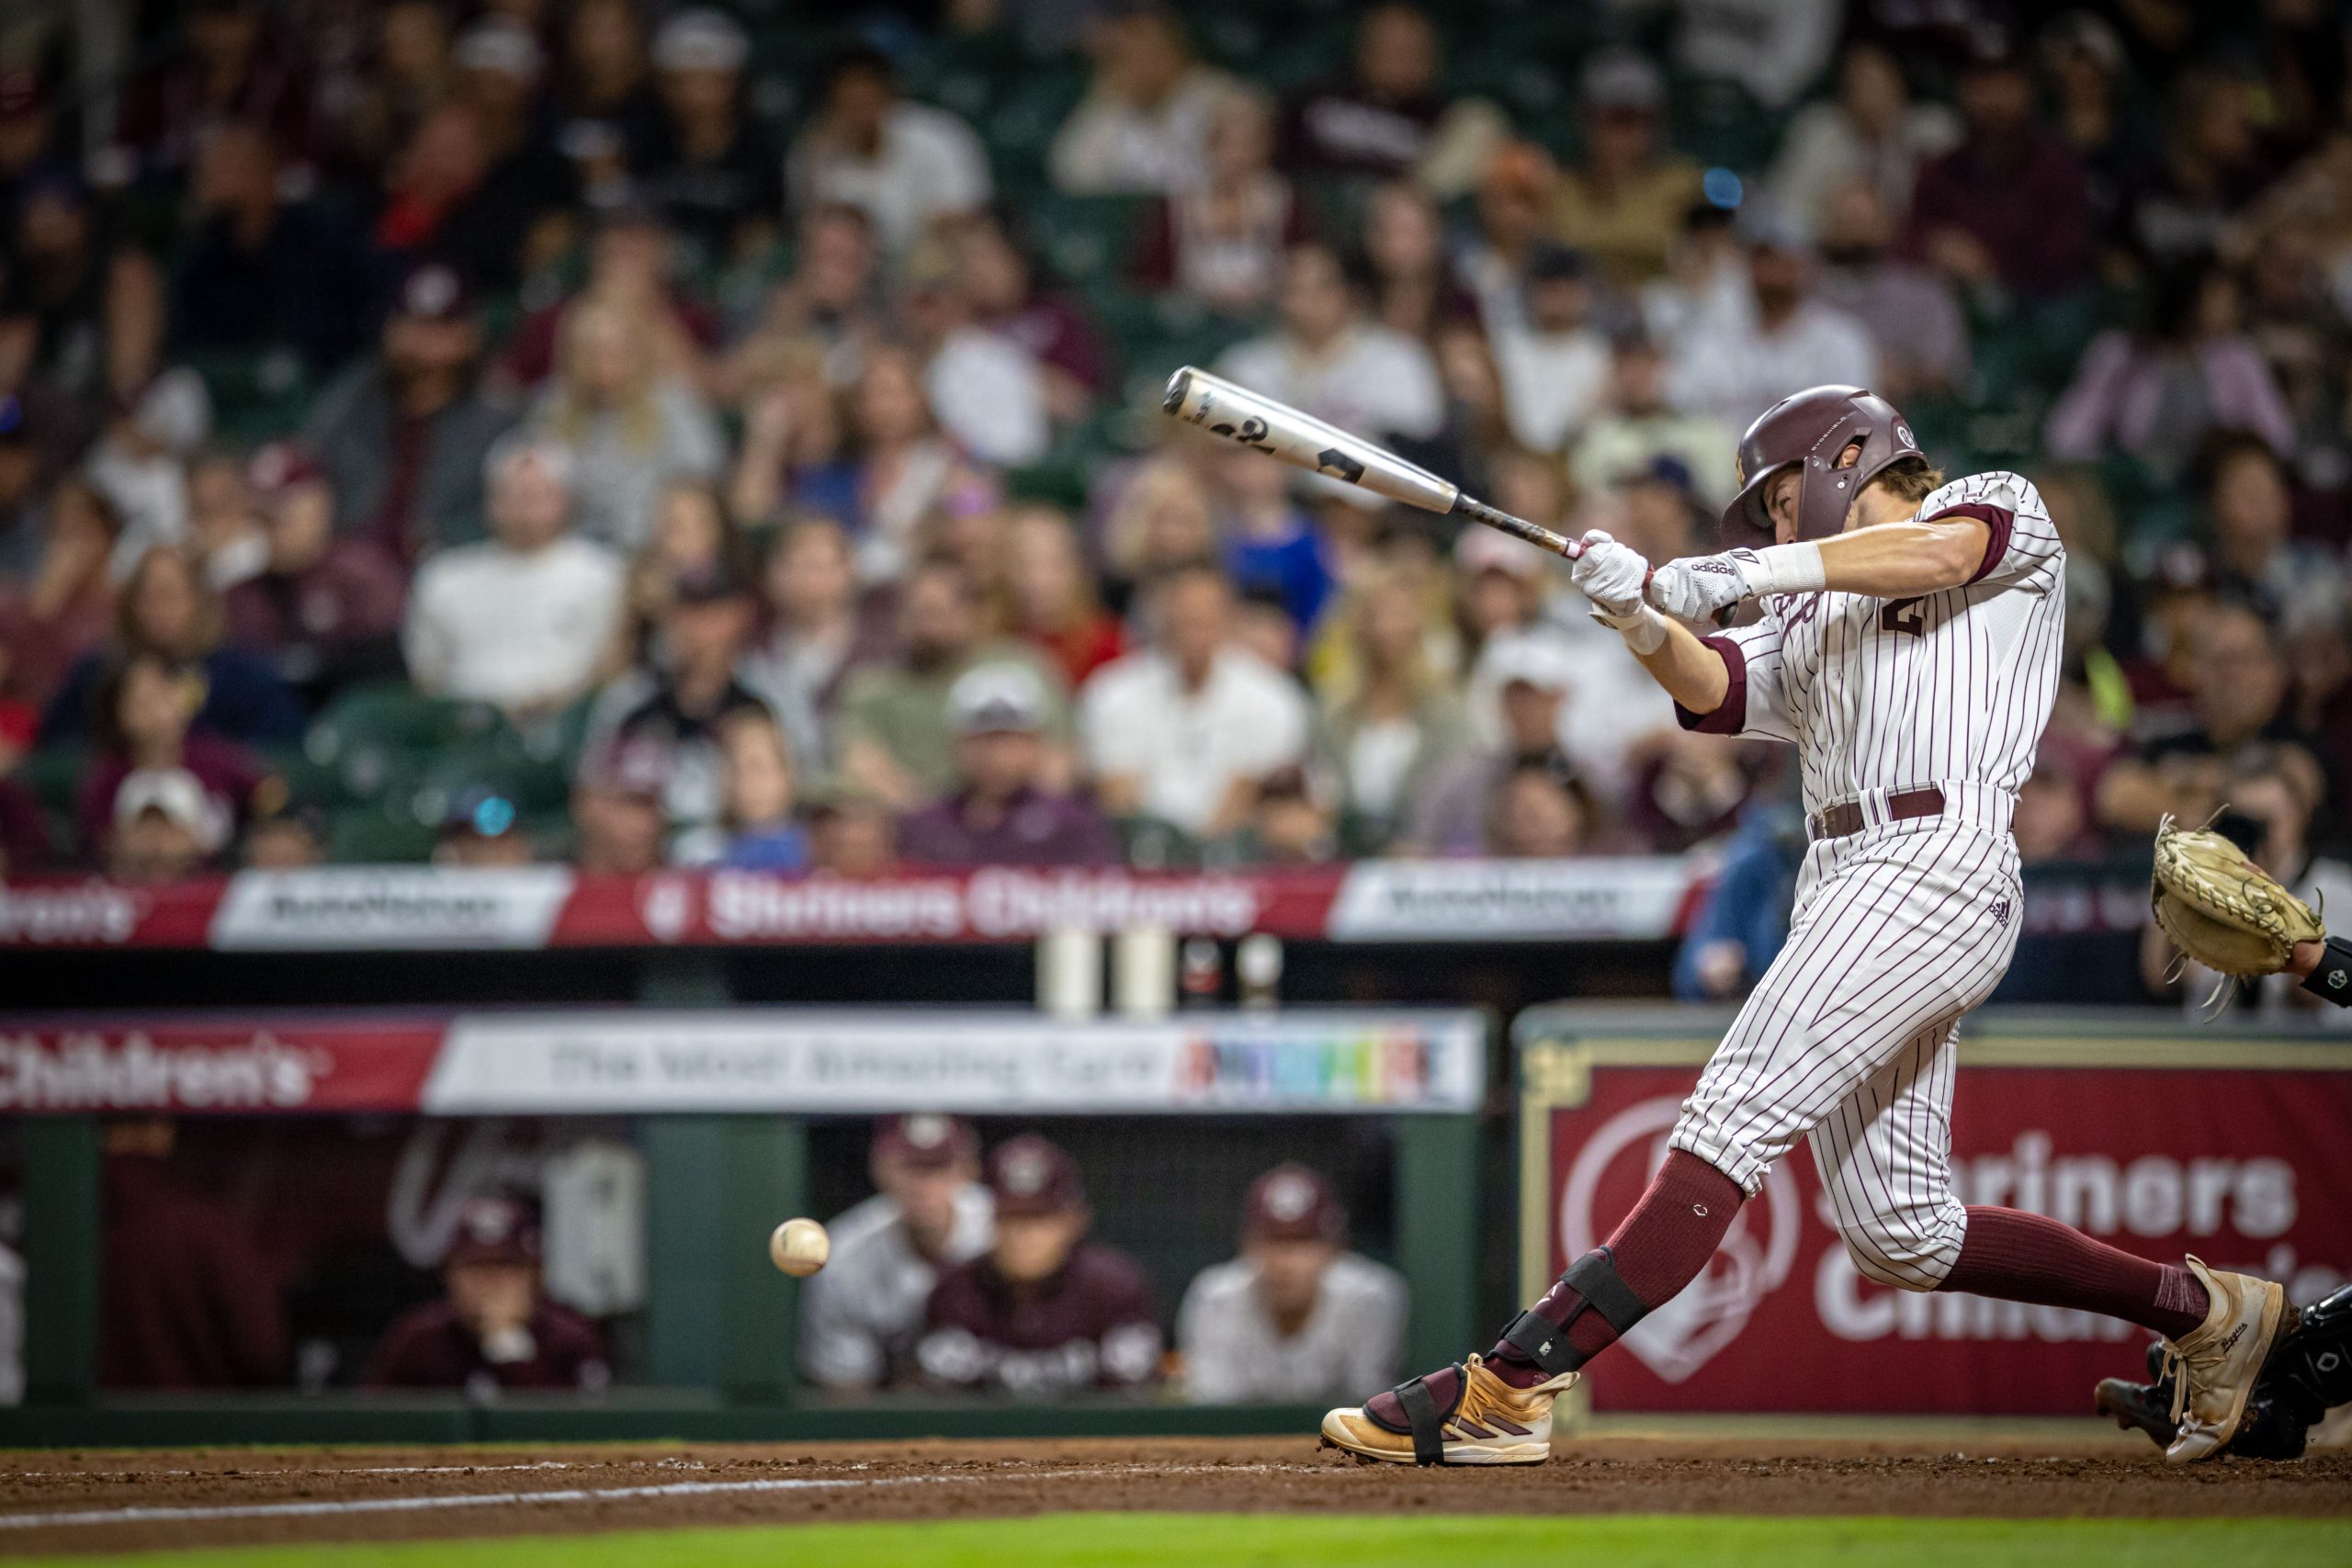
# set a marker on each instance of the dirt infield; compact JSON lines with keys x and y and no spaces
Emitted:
{"x":114,"y":1501}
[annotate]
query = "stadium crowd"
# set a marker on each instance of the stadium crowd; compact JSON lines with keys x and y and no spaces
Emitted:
{"x":584,"y":429}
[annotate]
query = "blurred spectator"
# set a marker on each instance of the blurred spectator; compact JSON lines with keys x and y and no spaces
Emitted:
{"x":481,"y":828}
{"x":630,"y":426}
{"x":1538,"y":811}
{"x":1161,"y":520}
{"x":1691,"y":789}
{"x":1414,"y":289}
{"x":895,"y":736}
{"x":258,"y":274}
{"x":1635,"y":426}
{"x":1325,"y":359}
{"x":852,"y":834}
{"x":24,"y":497}
{"x":1043,"y":1313}
{"x":1742,"y":921}
{"x":2237,"y":665}
{"x":819,"y":316}
{"x":25,"y":844}
{"x":757,"y":803}
{"x":1000,"y":812}
{"x":860,"y":1317}
{"x":2249,"y":515}
{"x":404,"y":433}
{"x":1914,"y":321}
{"x":2210,"y":165}
{"x":703,"y":160}
{"x":164,"y":610}
{"x":232,"y":65}
{"x":1003,"y":294}
{"x":1393,"y":733}
{"x":2098,"y":115}
{"x":494,"y":1327}
{"x":1514,"y":212}
{"x":283,"y":841}
{"x":1296,"y":1317}
{"x":2273,"y":793}
{"x":1554,"y":365}
{"x":408,"y":75}
{"x":1144,"y":124}
{"x":153,"y":759}
{"x":1389,"y":116}
{"x":1272,"y":546}
{"x":2156,"y":391}
{"x":1050,"y":597}
{"x":1705,"y":279}
{"x":325,"y":609}
{"x":139,"y":465}
{"x":1220,"y":239}
{"x":61,"y":606}
{"x":987,"y":392}
{"x":1180,"y":729}
{"x":2008,"y":208}
{"x":29,"y":148}
{"x":908,"y":166}
{"x":817,"y":633}
{"x":1735,"y":365}
{"x":619,"y":822}
{"x":692,"y":537}
{"x":630,"y":269}
{"x":94,"y":313}
{"x":225,"y":524}
{"x":1871,"y":134}
{"x":604,"y":95}
{"x":675,"y":708}
{"x":2051,"y":822}
{"x":1623,"y":203}
{"x":189,"y":1299}
{"x":521,"y":619}
{"x":901,"y":468}
{"x":1531,"y":675}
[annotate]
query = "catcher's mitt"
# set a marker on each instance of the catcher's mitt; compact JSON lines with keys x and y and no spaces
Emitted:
{"x":2222,"y":909}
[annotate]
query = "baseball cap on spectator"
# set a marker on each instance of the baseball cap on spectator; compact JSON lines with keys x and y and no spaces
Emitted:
{"x":926,"y":1142}
{"x":494,"y":1230}
{"x":701,"y":39}
{"x":1291,"y":1202}
{"x":435,"y":292}
{"x":639,"y":769}
{"x":280,"y":467}
{"x":1525,"y":659}
{"x":1477,"y":550}
{"x":177,"y":796}
{"x":1029,"y":1176}
{"x":1623,"y":80}
{"x":1665,"y":468}
{"x":990,"y":699}
{"x":503,"y":46}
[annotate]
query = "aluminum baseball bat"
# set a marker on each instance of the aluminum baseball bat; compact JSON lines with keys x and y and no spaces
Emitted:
{"x":1282,"y":433}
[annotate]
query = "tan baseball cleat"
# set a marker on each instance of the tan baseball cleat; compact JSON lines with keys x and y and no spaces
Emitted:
{"x":1463,"y":1415}
{"x":2216,"y":1364}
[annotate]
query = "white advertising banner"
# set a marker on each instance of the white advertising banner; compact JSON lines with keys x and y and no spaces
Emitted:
{"x":797,"y":1061}
{"x":392,"y":907}
{"x":1619,"y":897}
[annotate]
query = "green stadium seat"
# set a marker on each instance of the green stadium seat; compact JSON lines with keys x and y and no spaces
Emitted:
{"x":1085,"y":240}
{"x":54,"y":772}
{"x":373,"y":739}
{"x":257,"y":395}
{"x":364,"y":836}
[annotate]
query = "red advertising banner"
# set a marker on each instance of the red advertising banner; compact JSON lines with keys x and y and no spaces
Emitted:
{"x":231,"y":1066}
{"x":2249,"y":1168}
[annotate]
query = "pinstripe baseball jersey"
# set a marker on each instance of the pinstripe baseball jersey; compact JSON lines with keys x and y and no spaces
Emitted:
{"x":1890,"y":695}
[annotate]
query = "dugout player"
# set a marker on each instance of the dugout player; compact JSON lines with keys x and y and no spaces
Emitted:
{"x":1908,"y":646}
{"x":1043,"y":1313}
{"x":860,"y":1317}
{"x":494,"y":1328}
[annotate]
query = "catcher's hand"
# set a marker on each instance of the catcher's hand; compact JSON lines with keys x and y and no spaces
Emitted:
{"x":2224,"y":911}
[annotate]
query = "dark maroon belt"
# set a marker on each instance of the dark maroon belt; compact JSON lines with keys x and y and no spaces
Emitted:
{"x":1849,"y":818}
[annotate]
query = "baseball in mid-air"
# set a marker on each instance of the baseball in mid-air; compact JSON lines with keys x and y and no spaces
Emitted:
{"x":800,"y":1247}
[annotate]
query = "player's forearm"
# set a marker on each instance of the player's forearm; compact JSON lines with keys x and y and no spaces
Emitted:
{"x":1894,"y":560}
{"x":1692,"y":674}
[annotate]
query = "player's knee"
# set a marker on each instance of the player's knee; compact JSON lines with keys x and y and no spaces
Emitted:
{"x":1909,"y":1250}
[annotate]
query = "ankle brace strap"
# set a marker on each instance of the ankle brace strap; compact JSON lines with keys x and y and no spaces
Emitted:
{"x":1599,"y":1288}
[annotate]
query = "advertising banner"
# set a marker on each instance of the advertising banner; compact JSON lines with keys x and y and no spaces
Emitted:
{"x":2245,"y":1160}
{"x":752,"y":1060}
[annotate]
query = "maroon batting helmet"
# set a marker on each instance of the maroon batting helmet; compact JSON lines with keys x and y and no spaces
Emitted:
{"x":1813,"y":427}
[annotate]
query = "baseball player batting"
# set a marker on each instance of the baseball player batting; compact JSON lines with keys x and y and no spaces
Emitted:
{"x":1909,"y":648}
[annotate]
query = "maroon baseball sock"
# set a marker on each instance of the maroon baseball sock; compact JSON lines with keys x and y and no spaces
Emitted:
{"x":2020,"y":1256}
{"x":1656,"y":1250}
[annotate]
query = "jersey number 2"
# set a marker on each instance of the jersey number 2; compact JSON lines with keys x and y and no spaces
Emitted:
{"x":1904,"y":616}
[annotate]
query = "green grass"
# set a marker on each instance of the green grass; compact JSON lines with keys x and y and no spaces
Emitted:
{"x":1307,"y":1541}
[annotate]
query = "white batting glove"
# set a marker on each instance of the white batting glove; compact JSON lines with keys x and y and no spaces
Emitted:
{"x":1610,"y":573}
{"x":1697,"y":588}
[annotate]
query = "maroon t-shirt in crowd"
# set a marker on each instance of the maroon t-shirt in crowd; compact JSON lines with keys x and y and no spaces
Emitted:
{"x":429,"y":1347}
{"x":1035,"y":829}
{"x":1092,"y":1325}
